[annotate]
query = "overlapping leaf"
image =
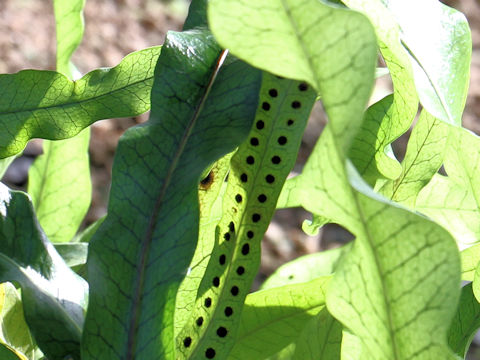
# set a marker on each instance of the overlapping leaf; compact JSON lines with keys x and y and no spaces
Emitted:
{"x":274,"y":318}
{"x":400,"y":280}
{"x":59,"y":180}
{"x":14,"y":331}
{"x":438,"y":41}
{"x":306,"y":268}
{"x":310,"y":41}
{"x":465,"y":323}
{"x":386,"y":120}
{"x":54,"y":298}
{"x":142,"y":250}
{"x":46,"y":104}
{"x":453,"y":200}
{"x":423,"y":158}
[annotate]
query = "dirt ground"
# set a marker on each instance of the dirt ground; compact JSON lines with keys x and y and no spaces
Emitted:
{"x":115,"y":28}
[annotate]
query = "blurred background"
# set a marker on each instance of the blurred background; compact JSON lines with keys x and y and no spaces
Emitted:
{"x":115,"y":28}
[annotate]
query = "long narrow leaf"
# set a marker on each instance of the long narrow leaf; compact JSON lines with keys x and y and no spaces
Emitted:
{"x":35,"y":104}
{"x":142,"y":250}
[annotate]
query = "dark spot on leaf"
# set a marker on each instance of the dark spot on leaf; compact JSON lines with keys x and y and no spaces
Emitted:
{"x":234,"y":290}
{"x":260,"y":124}
{"x":226,"y":236}
{"x":282,"y":140}
{"x":199,"y":321}
{"x":245,"y":249}
{"x":210,"y":353}
{"x":262,"y":198}
{"x":250,"y":160}
{"x":244,"y":178}
{"x":254,"y":141}
{"x":228,"y":311}
{"x":222,"y":259}
{"x":256,"y":217}
{"x":270,"y":178}
{"x":250,"y":234}
{"x":302,"y":86}
{"x":240,"y":270}
{"x":273,"y":92}
{"x":231,"y":226}
{"x":222,"y":332}
{"x":290,"y":122}
{"x":187,"y":341}
{"x":216,"y":281}
{"x":265,"y":106}
{"x":208,"y":302}
{"x":238,"y":198}
{"x":296,"y":104}
{"x":276,"y":159}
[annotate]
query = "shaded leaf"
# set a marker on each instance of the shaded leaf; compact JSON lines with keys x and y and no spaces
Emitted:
{"x":73,"y":254}
{"x":141,"y":252}
{"x":465,"y":323}
{"x":54,"y":298}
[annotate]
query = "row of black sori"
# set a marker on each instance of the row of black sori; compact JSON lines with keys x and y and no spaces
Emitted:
{"x":258,"y":171}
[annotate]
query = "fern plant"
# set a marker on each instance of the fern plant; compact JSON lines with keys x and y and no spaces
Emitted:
{"x":169,"y":268}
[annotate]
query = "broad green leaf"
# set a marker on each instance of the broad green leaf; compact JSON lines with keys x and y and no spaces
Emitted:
{"x":321,"y":338}
{"x":54,"y":298}
{"x":73,"y":254}
{"x":14,"y":331}
{"x":35,"y":104}
{"x":273,"y":318}
{"x":401,"y":279}
{"x":453,"y":200}
{"x":399,"y":283}
{"x":306,"y":268}
{"x":465,"y":323}
{"x":141,"y":252}
{"x":321,"y":44}
{"x":59,"y":184}
{"x":59,"y":180}
{"x":392,"y":116}
{"x":438,"y":41}
{"x":424,"y":156}
{"x":470,"y":261}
